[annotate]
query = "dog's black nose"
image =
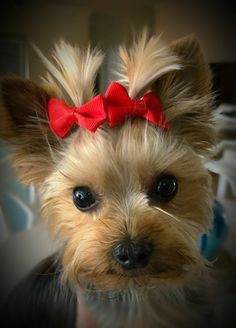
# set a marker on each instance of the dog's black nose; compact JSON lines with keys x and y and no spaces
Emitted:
{"x":132,"y":255}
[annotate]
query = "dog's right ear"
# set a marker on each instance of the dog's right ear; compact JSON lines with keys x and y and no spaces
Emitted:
{"x":24,"y":126}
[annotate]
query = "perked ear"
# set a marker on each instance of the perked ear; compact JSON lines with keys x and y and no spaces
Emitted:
{"x":24,"y":126}
{"x":195,"y":71}
{"x":23,"y":112}
{"x":187,"y":97}
{"x":181,"y":78}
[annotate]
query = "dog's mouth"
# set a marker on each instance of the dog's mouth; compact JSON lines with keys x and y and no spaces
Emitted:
{"x":114,"y":283}
{"x":169,"y":267}
{"x":161,"y":274}
{"x":136,"y":279}
{"x":161,"y":270}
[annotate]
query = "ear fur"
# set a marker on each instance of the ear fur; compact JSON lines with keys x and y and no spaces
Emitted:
{"x":145,"y":61}
{"x":24,"y":125}
{"x":24,"y":122}
{"x":187,"y":98}
{"x":182,"y":80}
{"x":195,"y":70}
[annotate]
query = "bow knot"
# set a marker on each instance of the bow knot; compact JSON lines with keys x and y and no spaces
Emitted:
{"x":115,"y":106}
{"x":139,"y":107}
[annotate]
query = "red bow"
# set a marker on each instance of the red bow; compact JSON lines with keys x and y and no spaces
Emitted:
{"x":114,"y":107}
{"x":63,"y":117}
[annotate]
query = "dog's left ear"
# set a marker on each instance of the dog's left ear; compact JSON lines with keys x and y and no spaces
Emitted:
{"x":187,"y":98}
{"x":24,"y":126}
{"x":181,"y":78}
{"x":195,"y":72}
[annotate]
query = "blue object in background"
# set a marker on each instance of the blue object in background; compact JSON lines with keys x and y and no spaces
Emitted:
{"x":18,"y":204}
{"x":16,"y":214}
{"x":211,"y":243}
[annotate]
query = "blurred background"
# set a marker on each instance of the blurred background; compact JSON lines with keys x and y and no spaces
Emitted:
{"x":23,"y":241}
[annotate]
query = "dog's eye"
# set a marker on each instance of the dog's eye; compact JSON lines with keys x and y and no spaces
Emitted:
{"x":164,"y":189}
{"x":84,"y":199}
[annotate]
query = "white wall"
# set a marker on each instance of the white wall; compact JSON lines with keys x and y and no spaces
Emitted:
{"x":110,"y":28}
{"x":46,"y":22}
{"x":213,"y":22}
{"x":43,"y":25}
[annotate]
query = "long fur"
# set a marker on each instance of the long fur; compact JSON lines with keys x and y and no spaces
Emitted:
{"x":144,"y":62}
{"x":120,"y":165}
{"x":74,"y":69}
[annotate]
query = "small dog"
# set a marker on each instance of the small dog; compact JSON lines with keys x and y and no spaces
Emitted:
{"x":122,"y":179}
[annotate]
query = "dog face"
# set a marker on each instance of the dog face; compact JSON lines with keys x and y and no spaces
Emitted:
{"x":127,"y":203}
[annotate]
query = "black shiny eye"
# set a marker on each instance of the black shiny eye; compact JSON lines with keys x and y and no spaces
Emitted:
{"x":84,"y":199}
{"x":164,"y":189}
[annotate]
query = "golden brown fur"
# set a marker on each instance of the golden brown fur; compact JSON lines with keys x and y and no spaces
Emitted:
{"x":120,"y":165}
{"x":122,"y":182}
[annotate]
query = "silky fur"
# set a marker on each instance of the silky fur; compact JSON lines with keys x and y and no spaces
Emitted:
{"x":120,"y":165}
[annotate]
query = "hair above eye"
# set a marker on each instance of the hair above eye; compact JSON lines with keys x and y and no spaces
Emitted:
{"x":164,"y":189}
{"x":84,"y":199}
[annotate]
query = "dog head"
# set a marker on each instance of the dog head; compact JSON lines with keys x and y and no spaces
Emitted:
{"x":127,"y":203}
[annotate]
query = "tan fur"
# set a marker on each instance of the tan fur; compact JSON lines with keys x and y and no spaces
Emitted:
{"x":75,"y":76}
{"x":122,"y":184}
{"x":120,"y":166}
{"x":144,"y":62}
{"x":24,"y":125}
{"x":187,"y":97}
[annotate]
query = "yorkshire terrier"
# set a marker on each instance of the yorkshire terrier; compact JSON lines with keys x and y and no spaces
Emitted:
{"x":123,"y":184}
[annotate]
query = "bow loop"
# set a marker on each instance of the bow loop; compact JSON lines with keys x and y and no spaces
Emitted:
{"x":63,"y":117}
{"x":155,"y":113}
{"x":92,"y":114}
{"x":120,"y":106}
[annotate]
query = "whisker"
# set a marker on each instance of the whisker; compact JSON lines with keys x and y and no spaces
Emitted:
{"x":187,"y":222}
{"x":167,"y":213}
